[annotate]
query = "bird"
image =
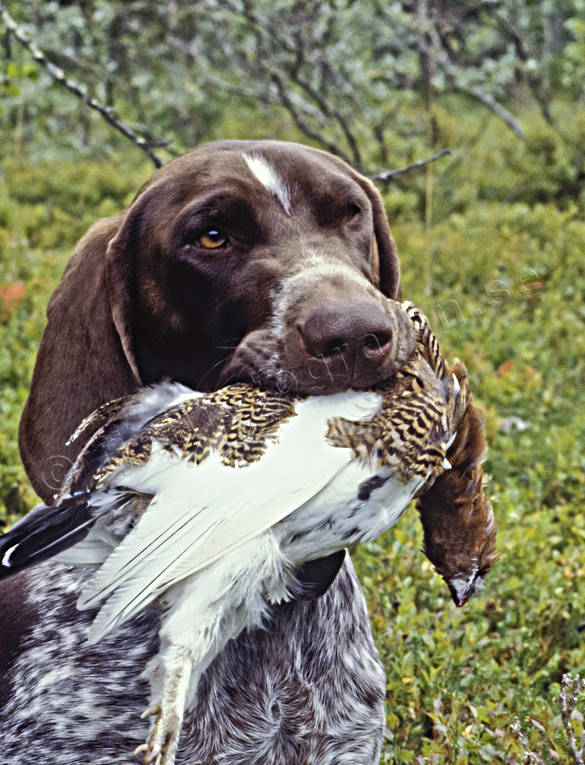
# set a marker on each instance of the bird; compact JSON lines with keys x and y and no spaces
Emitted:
{"x":459,"y":528}
{"x":208,"y":503}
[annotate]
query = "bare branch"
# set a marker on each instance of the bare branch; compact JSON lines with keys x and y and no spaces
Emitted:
{"x":302,"y":125}
{"x":388,"y":175}
{"x":264,"y":96}
{"x":488,"y":100}
{"x":321,"y":102}
{"x":436,"y":51}
{"x":378,"y":131}
{"x":59,"y":76}
{"x":440,"y":56}
{"x":534,"y":82}
{"x":292,"y":69}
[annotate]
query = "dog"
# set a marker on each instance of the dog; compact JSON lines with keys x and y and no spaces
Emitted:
{"x":257,"y":261}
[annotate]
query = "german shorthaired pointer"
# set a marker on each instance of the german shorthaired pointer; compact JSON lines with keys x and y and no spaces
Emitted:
{"x":261,"y":261}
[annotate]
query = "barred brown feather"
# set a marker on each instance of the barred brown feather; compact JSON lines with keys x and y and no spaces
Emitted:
{"x":410,"y":433}
{"x":420,"y":412}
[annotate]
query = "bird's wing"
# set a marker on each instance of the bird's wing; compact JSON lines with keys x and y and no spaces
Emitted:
{"x":114,"y":423}
{"x":201,"y":513}
{"x":82,"y":529}
{"x":43,"y":533}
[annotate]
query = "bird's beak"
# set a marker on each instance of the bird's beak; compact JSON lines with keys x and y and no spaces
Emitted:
{"x":461,"y":591}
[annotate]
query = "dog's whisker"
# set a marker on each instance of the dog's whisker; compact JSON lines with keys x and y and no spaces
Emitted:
{"x":235,"y":339}
{"x":221,"y":362}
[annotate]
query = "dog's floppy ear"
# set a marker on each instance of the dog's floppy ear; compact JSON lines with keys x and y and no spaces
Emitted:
{"x":85,"y":358}
{"x":385,"y":251}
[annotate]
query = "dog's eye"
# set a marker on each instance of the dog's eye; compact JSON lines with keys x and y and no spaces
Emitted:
{"x":351,"y":213}
{"x":212,"y":239}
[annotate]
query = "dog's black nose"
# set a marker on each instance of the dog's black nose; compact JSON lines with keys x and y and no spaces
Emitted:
{"x":356,"y":333}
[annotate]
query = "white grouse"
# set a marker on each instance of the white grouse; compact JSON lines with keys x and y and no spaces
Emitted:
{"x":209,"y":504}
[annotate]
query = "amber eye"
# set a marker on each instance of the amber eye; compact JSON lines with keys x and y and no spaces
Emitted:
{"x":212,"y":239}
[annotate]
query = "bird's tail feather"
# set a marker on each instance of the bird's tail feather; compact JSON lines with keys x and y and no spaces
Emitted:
{"x":46,"y":531}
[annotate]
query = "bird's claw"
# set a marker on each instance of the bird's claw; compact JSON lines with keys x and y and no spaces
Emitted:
{"x":161,"y":746}
{"x":155,"y":709}
{"x":167,"y":710}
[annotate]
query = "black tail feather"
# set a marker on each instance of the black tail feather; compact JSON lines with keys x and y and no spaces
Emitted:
{"x":44,"y":532}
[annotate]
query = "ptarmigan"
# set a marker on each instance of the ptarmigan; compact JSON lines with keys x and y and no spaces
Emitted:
{"x":209,"y":503}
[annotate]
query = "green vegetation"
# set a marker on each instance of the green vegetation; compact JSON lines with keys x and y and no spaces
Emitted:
{"x":457,"y":681}
{"x":507,"y":296}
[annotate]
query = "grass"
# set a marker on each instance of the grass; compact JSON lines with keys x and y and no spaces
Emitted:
{"x":481,"y":684}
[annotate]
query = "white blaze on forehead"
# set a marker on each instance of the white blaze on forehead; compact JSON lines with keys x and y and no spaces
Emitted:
{"x":269,"y":178}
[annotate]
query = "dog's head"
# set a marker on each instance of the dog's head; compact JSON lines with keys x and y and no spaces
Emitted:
{"x":261,"y":261}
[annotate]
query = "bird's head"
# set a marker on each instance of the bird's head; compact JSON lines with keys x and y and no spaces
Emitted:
{"x":459,"y":536}
{"x":464,"y":582}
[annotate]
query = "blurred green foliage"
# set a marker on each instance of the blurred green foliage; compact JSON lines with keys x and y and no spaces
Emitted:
{"x":357,"y":75}
{"x":506,"y":294}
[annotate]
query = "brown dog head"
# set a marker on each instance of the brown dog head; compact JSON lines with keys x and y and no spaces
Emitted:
{"x":263,"y":261}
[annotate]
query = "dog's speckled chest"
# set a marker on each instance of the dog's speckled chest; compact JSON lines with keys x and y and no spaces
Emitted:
{"x":70,"y":701}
